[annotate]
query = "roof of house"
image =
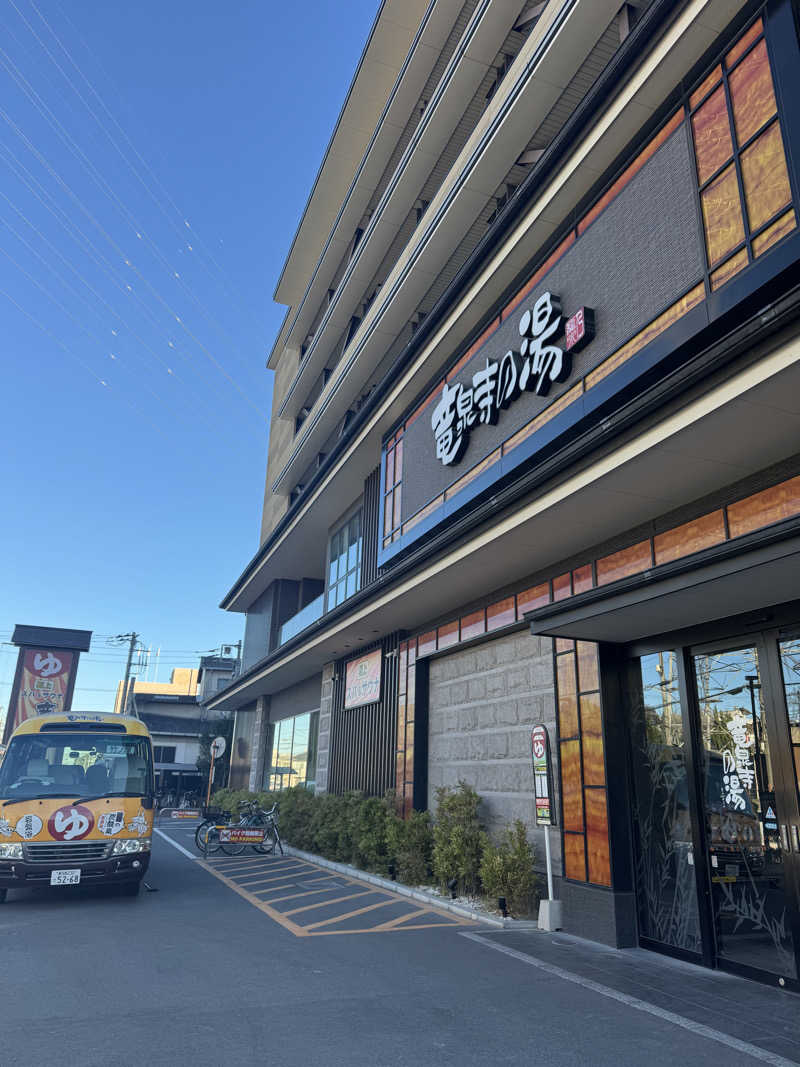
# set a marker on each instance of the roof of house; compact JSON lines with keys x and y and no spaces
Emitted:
{"x":171,"y":724}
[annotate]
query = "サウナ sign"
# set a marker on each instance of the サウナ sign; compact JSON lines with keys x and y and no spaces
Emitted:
{"x":362,"y":684}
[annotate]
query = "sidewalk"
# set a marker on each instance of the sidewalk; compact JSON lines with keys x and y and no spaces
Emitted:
{"x":762,"y":1016}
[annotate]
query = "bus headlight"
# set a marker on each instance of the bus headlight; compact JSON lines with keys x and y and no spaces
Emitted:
{"x":10,"y":852}
{"x":133,"y":844}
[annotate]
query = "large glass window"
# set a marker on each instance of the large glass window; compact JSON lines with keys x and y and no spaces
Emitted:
{"x":293,"y":752}
{"x":344,"y":562}
{"x":667,"y":896}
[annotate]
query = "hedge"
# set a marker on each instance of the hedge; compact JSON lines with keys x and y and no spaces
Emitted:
{"x":453,"y":851}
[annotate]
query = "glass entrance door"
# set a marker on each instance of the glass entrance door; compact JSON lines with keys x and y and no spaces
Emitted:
{"x":745,"y":749}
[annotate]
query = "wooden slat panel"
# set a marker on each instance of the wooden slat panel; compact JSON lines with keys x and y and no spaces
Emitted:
{"x":620,"y":564}
{"x":588,"y":667}
{"x":722,"y":216}
{"x":571,"y":785}
{"x":564,"y":644}
{"x":762,"y":509}
{"x":752,"y":95}
{"x":597,"y":847}
{"x":409,"y":524}
{"x":574,"y":857}
{"x":713,"y":144}
{"x":594,"y":771}
{"x":694,"y":536}
{"x":765,"y":177}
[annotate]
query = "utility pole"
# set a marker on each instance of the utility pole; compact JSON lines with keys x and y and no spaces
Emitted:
{"x":132,"y":638}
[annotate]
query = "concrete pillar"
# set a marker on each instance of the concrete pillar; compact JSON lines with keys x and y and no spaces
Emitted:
{"x":260,"y":756}
{"x":324,"y":741}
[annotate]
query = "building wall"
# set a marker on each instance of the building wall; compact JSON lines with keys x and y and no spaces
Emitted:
{"x":187,"y":750}
{"x":281,"y":437}
{"x":483,"y":702}
{"x":305,"y":696}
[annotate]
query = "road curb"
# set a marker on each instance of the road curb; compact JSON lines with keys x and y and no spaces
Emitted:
{"x":416,"y":894}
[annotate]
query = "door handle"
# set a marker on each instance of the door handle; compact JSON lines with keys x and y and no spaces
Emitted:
{"x":784,"y":837}
{"x":795,"y":837}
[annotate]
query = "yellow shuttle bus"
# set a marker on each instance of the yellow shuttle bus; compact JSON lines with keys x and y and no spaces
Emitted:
{"x":76,"y":802}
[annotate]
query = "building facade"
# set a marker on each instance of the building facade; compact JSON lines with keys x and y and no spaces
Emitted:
{"x":535,"y":460}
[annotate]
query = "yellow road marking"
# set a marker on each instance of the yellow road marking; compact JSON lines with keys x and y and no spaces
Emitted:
{"x":314,"y":929}
{"x":294,"y":896}
{"x":326,"y":903}
{"x":272,"y":878}
{"x":287,"y":924}
{"x":272,"y":888}
{"x":391,"y":930}
{"x":402,"y":919}
{"x":352,"y":914}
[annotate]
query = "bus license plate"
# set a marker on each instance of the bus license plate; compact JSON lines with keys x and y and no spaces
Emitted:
{"x":65,"y":877}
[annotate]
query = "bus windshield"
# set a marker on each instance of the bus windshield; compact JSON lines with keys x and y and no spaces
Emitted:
{"x":79,"y":765}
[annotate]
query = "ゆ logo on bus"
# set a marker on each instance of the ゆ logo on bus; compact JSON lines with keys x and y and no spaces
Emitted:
{"x":70,"y":823}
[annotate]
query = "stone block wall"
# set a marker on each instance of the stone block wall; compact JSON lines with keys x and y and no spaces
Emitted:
{"x":483,"y":702}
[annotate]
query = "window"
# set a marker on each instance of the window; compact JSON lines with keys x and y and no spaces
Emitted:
{"x":164,"y":753}
{"x":292,"y":751}
{"x":742,"y":174}
{"x":344,"y":562}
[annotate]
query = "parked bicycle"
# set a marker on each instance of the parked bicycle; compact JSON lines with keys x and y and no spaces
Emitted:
{"x":207,"y":834}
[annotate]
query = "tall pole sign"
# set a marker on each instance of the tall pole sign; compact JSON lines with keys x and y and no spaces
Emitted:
{"x":47,"y":665}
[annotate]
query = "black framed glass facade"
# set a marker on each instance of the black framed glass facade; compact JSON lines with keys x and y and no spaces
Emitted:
{"x":664,"y":857}
{"x":292,"y":751}
{"x":344,"y":561}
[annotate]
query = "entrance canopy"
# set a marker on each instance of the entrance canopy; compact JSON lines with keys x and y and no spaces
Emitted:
{"x":750,"y":575}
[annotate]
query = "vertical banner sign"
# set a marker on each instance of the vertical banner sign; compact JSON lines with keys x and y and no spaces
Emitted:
{"x":42,"y":685}
{"x":542,"y":776}
{"x":362,"y":683}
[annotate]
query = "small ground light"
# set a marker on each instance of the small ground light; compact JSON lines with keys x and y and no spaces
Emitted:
{"x":451,"y":885}
{"x":501,"y":905}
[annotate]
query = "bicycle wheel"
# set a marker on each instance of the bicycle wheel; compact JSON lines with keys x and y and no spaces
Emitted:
{"x":232,"y":848}
{"x":206,"y":837}
{"x":267,"y":846}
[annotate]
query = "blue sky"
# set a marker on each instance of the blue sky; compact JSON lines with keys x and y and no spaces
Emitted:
{"x":132,"y":344}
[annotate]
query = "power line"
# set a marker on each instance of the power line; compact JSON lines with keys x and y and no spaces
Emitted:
{"x":99,"y":180}
{"x":133,"y":148}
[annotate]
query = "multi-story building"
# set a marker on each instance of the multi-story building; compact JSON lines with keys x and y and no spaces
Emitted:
{"x":535,"y":460}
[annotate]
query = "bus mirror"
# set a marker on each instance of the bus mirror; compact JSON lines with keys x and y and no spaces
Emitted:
{"x":147,"y":803}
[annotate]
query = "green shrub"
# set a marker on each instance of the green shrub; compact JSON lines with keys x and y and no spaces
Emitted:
{"x":370,"y":850}
{"x":507,"y":870}
{"x":458,"y":840}
{"x":409,"y":844}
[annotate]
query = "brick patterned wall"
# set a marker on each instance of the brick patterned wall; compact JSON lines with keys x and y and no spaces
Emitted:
{"x":483,"y":702}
